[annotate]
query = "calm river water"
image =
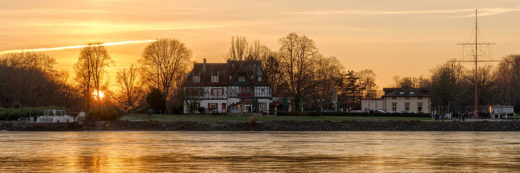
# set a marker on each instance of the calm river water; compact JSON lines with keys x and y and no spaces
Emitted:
{"x":259,"y":151}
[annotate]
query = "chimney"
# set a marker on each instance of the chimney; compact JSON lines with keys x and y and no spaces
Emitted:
{"x":204,"y":65}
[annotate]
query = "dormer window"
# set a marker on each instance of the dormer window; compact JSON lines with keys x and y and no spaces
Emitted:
{"x":241,"y":79}
{"x":214,"y":79}
{"x":196,"y":79}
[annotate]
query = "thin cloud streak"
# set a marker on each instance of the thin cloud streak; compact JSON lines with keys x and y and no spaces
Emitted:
{"x":482,"y":12}
{"x":75,"y":47}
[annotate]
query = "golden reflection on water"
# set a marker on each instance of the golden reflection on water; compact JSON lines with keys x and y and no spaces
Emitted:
{"x":259,"y":151}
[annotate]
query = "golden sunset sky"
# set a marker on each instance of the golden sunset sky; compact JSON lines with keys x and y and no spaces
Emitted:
{"x":392,"y":37}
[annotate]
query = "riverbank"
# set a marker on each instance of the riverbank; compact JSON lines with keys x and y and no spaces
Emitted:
{"x":267,"y":126}
{"x":245,"y":118}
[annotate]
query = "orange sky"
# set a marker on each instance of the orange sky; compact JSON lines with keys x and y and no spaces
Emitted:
{"x":397,"y":37}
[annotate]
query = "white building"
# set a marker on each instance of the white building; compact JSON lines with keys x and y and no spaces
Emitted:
{"x":235,"y":85}
{"x":412,"y":100}
{"x":372,"y":104}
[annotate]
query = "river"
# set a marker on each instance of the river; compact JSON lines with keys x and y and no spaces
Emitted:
{"x":143,"y":151}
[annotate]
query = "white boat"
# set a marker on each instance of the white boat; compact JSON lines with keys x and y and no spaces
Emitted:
{"x":55,"y":116}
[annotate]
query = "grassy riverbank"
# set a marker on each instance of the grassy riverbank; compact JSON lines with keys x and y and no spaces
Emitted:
{"x":171,"y":117}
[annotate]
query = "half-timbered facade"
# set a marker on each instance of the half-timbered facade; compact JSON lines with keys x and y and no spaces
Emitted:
{"x":234,"y":85}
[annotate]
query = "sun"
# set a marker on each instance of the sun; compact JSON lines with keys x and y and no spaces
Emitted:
{"x":95,"y":94}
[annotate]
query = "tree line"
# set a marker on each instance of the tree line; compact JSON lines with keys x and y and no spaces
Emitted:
{"x":452,"y":85}
{"x":296,"y":70}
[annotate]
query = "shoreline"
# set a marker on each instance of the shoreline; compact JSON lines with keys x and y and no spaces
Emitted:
{"x":350,"y":125}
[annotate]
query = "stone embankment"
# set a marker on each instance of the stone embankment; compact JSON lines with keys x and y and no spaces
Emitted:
{"x":267,"y":126}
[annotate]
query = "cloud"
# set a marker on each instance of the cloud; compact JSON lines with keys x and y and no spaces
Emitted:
{"x":35,"y":12}
{"x":100,"y":27}
{"x":75,"y":47}
{"x":461,"y":12}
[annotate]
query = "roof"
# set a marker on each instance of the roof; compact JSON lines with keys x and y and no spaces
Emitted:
{"x":233,"y":72}
{"x":407,"y":92}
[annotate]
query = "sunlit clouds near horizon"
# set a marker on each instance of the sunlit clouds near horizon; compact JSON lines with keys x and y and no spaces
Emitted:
{"x":75,"y":47}
{"x":400,"y":37}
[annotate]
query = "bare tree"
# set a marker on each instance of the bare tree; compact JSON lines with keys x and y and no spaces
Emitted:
{"x":413,"y":82}
{"x":272,"y":69}
{"x":30,"y":79}
{"x":367,"y":81}
{"x":446,"y":86}
{"x":90,"y":70}
{"x":296,"y":53}
{"x":508,"y":81}
{"x":166,"y":61}
{"x":328,"y":79}
{"x":27,"y":60}
{"x":239,"y":49}
{"x":258,"y":51}
{"x":127,"y":81}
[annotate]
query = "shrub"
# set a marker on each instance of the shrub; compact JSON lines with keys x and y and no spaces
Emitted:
{"x":104,"y":113}
{"x":252,"y":121}
{"x":156,"y":100}
{"x":16,"y":113}
{"x":353,"y":114}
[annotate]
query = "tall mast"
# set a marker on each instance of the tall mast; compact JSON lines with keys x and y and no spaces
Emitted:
{"x":476,"y":61}
{"x":476,"y":65}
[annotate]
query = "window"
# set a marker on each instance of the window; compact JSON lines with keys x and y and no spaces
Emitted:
{"x":419,"y":107}
{"x":401,"y":93}
{"x":200,"y":92}
{"x":214,"y":79}
{"x":412,"y":93}
{"x":212,"y":106}
{"x":263,"y":106}
{"x":217,"y":91}
{"x":224,"y":106}
{"x":259,"y":78}
{"x":241,"y":79}
{"x":196,"y":79}
{"x":394,"y":107}
{"x":190,"y":92}
{"x":407,"y":106}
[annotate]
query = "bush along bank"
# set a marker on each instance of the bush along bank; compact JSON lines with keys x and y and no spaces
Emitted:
{"x":11,"y":114}
{"x":254,"y":125}
{"x":357,"y":114}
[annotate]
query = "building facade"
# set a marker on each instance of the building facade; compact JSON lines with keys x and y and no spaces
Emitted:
{"x":372,"y":104}
{"x":236,"y":86}
{"x":410,"y":100}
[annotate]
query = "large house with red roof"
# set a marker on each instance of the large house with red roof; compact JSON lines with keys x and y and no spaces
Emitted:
{"x":235,"y":85}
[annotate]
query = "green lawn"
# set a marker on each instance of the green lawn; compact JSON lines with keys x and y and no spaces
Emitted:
{"x":171,"y":117}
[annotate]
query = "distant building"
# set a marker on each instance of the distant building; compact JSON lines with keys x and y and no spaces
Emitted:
{"x":413,"y":100}
{"x":233,"y":86}
{"x":372,"y":104}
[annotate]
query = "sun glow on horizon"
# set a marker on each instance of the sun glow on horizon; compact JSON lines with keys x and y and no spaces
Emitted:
{"x":101,"y":94}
